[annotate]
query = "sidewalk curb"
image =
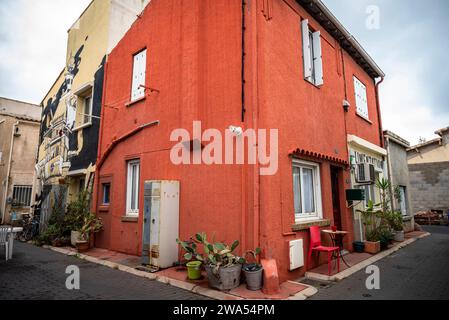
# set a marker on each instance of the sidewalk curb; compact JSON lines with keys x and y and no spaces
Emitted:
{"x":213,"y":294}
{"x":350,"y":271}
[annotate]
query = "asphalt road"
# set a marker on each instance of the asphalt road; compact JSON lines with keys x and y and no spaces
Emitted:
{"x":419,"y":271}
{"x":39,"y":274}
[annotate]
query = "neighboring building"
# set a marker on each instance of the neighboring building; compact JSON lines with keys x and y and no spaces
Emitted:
{"x":19,"y":131}
{"x":319,"y":91}
{"x":398,"y":174}
{"x":72,"y":107}
{"x":429,"y":173}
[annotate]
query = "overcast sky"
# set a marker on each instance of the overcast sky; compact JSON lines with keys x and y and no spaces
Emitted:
{"x":410,"y":45}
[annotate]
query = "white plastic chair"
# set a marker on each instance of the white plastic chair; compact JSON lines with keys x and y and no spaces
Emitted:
{"x":4,"y":239}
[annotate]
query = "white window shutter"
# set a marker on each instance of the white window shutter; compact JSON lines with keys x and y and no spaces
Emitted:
{"x":139,"y":74}
{"x":318,"y":58}
{"x":306,"y":50}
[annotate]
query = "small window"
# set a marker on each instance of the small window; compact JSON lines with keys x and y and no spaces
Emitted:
{"x":139,"y":75}
{"x":312,"y":54}
{"x":403,"y":200}
{"x":22,"y":196}
{"x":370,"y":193}
{"x":307,"y":191}
{"x":132,"y":189}
{"x":106,"y":193}
{"x":87,"y":110}
{"x":361,"y":100}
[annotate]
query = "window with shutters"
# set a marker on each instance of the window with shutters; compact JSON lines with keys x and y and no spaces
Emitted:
{"x":139,"y":74}
{"x":361,"y":100}
{"x":312,"y":54}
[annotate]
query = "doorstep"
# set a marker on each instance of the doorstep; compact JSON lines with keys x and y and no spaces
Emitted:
{"x":359,"y":261}
{"x":177,"y":277}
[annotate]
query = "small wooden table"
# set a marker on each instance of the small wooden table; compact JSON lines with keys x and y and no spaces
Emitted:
{"x":337,"y":241}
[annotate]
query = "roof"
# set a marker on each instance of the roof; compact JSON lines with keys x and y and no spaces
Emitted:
{"x":324,"y":16}
{"x":396,"y":138}
{"x":425,"y":144}
{"x":442,"y":131}
{"x":20,"y":110}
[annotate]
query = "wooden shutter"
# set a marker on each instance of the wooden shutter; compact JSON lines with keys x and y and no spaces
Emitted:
{"x":317,"y":58}
{"x":306,"y":50}
{"x":139,"y":74}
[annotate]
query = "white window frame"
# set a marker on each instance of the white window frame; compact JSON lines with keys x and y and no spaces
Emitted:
{"x":139,"y":75}
{"x":312,"y":54}
{"x":89,"y":114}
{"x":129,"y":211}
{"x":318,"y":214}
{"x":361,"y":98}
{"x":104,"y":194}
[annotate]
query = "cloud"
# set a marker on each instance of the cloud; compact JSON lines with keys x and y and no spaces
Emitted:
{"x":33,"y":45}
{"x":410,"y":47}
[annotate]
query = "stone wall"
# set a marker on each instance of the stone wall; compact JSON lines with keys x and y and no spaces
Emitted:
{"x":430,"y":186}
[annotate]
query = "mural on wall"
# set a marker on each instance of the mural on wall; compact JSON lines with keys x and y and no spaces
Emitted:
{"x":61,"y":141}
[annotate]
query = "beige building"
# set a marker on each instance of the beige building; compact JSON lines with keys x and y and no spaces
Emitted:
{"x":19,"y":137}
{"x":72,"y":107}
{"x":429,"y":173}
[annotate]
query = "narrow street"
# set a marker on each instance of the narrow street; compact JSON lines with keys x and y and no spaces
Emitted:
{"x":419,"y":271}
{"x":39,"y":274}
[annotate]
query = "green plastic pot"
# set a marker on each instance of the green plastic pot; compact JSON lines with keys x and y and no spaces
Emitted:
{"x":194,"y":270}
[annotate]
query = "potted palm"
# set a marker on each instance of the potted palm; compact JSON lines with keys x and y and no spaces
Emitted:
{"x":91,"y":225}
{"x":253,"y":271}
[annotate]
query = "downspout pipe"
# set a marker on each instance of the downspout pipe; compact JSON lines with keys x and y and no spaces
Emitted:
{"x":390,"y":173}
{"x":9,"y":170}
{"x":379,"y":116}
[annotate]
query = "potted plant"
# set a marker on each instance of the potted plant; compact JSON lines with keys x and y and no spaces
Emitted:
{"x":358,"y":246}
{"x":223,"y":267}
{"x":253,"y":271}
{"x":385,"y":237}
{"x":396,"y":224}
{"x":77,"y":210}
{"x":193,"y":257}
{"x":371,"y":222}
{"x":91,"y":225}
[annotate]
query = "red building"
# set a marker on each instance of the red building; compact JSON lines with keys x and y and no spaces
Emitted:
{"x":257,"y":64}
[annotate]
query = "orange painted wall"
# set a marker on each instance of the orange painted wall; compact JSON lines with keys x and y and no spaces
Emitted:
{"x":194,"y":60}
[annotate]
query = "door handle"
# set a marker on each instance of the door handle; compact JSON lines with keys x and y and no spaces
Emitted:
{"x":153,"y":221}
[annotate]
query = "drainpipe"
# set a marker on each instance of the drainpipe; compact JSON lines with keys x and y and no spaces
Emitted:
{"x":9,"y":169}
{"x":379,"y":116}
{"x":390,"y":174}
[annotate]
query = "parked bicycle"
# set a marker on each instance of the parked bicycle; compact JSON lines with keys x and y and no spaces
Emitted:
{"x":30,"y":229}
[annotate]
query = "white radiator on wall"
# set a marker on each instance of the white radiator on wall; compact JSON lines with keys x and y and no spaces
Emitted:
{"x":296,"y":254}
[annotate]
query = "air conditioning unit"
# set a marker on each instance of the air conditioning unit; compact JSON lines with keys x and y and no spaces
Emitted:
{"x":366,"y":173}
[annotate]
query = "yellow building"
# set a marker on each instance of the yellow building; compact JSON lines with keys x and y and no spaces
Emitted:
{"x":72,"y":108}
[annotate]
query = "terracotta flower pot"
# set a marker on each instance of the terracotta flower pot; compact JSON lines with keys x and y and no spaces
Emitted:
{"x":372,"y":247}
{"x":82,"y":246}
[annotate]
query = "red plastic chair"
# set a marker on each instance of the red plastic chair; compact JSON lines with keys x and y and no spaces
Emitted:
{"x":315,"y":245}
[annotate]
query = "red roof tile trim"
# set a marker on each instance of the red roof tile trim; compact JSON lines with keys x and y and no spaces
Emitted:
{"x":312,"y":154}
